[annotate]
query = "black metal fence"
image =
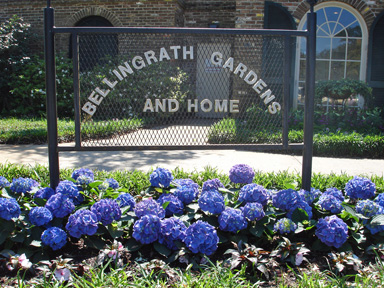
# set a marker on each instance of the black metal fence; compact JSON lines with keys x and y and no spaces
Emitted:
{"x":179,"y":88}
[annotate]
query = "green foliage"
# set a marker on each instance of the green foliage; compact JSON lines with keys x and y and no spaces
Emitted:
{"x":28,"y":88}
{"x":16,"y":41}
{"x":342,"y":89}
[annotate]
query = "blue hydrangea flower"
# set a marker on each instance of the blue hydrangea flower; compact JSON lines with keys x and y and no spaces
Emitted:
{"x":83,"y":176}
{"x":125,"y":200}
{"x":112,"y":183}
{"x":213,"y":184}
{"x":201,"y":237}
{"x":161,"y":177}
{"x":23,"y":185}
{"x":335,"y":193}
{"x":254,"y":193}
{"x":44,"y":193}
{"x":68,"y":188}
{"x":380,"y":199}
{"x":106,"y":211}
{"x":82,"y":222}
{"x":171,"y":230}
{"x":78,"y":199}
{"x":175,"y":206}
{"x":241,"y":173}
{"x":60,"y":205}
{"x":368,"y":208}
{"x":4,"y":182}
{"x":232,"y":220}
{"x":310,"y":196}
{"x":302,"y":204}
{"x":330,"y":203}
{"x":285,"y":225}
{"x":186,"y":190}
{"x":149,"y":207}
{"x":360,"y":188}
{"x":286,"y":199}
{"x":147,"y":229}
{"x":9,"y":208}
{"x":40,"y":216}
{"x":253,"y":211}
{"x":54,"y":237}
{"x":332,"y":231}
{"x":212,"y":201}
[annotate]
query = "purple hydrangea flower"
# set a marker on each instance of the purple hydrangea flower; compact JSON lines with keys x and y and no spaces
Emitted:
{"x":147,"y":229}
{"x":380,"y":199}
{"x":149,"y":207}
{"x":232,"y":220}
{"x":212,"y":201}
{"x":171,"y":230}
{"x":68,"y":188}
{"x":82,"y":222}
{"x":40,"y":216}
{"x":360,"y":188}
{"x":161,"y":177}
{"x":186,"y":190}
{"x":175,"y":206}
{"x":4,"y":182}
{"x":125,"y":200}
{"x":368,"y":208}
{"x":201,"y":237}
{"x":286,"y":199}
{"x":302,"y":204}
{"x":253,"y":211}
{"x":54,"y":237}
{"x":9,"y":208}
{"x":332,"y":231}
{"x":213,"y":184}
{"x":106,"y":211}
{"x":83,"y":176}
{"x":44,"y":193}
{"x":241,"y":173}
{"x":335,"y":193}
{"x":330,"y":203}
{"x":23,"y":185}
{"x":60,"y":205}
{"x":285,"y":225}
{"x":254,"y":193}
{"x":310,"y":196}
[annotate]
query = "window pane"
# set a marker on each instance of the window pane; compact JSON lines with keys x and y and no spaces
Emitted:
{"x":339,"y":31}
{"x":333,"y":13}
{"x":353,"y":70}
{"x":322,"y":70}
{"x":337,"y":70}
{"x":303,"y":47}
{"x":346,"y":18}
{"x":302,"y":70}
{"x":338,"y":51}
{"x":354,"y":49}
{"x":354,"y":30}
{"x":323,"y":46}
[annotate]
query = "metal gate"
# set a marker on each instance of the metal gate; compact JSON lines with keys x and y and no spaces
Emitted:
{"x":179,"y":88}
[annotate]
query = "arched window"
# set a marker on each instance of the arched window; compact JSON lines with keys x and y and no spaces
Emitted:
{"x":95,"y":49}
{"x":341,"y":46}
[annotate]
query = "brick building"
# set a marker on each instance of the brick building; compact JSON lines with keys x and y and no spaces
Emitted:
{"x":350,"y":40}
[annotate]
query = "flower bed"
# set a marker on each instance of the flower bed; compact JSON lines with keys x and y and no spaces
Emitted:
{"x":182,"y":222}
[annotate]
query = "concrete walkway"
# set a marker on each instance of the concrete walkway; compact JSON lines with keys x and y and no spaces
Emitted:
{"x":188,"y":160}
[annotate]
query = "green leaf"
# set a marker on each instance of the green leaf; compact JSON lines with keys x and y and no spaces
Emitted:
{"x":95,"y":184}
{"x":162,"y":249}
{"x":115,"y":232}
{"x":299,"y":215}
{"x":35,"y":243}
{"x":94,"y":242}
{"x":359,"y":237}
{"x":377,"y":220}
{"x":132,"y":245}
{"x":257,"y":230}
{"x":350,"y":211}
{"x":6,"y":228}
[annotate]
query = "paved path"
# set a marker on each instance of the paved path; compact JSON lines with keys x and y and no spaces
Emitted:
{"x":188,"y":160}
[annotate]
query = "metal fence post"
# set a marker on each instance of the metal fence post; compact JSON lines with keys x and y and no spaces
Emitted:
{"x":50,"y":82}
{"x":309,"y":99}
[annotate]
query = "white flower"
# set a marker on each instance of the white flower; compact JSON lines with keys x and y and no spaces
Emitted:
{"x":299,"y":259}
{"x":62,"y":274}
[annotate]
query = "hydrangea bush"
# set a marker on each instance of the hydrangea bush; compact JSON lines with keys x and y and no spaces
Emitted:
{"x":181,"y":218}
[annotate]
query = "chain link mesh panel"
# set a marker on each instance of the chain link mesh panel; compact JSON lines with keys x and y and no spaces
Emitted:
{"x":181,"y":89}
